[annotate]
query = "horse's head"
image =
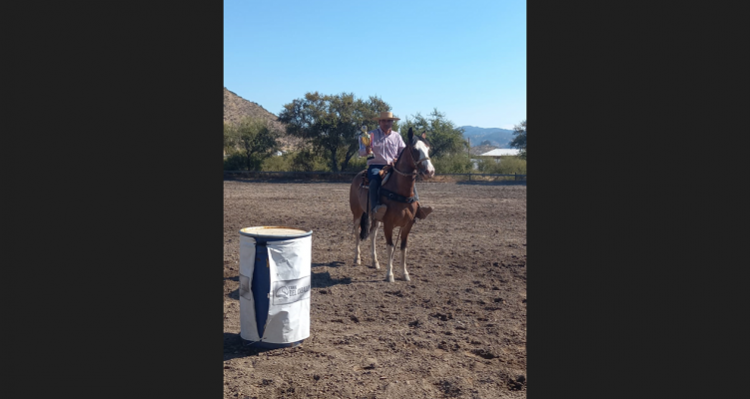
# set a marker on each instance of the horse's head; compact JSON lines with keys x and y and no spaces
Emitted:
{"x":420,"y":151}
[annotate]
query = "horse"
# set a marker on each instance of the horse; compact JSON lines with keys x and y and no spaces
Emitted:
{"x":397,"y":192}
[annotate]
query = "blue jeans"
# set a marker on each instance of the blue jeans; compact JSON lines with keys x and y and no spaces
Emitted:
{"x":373,"y":173}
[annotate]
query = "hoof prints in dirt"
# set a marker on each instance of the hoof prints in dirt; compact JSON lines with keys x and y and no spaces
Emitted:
{"x":450,"y":388}
{"x":484,"y":353}
{"x":442,"y":317}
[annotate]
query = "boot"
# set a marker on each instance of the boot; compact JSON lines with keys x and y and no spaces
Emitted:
{"x":423,"y":211}
{"x":378,"y":212}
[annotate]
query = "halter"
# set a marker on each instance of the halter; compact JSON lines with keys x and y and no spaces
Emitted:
{"x":415,"y":164}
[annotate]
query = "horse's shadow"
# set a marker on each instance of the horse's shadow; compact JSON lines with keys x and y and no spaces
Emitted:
{"x":330,"y":264}
{"x":324,"y":280}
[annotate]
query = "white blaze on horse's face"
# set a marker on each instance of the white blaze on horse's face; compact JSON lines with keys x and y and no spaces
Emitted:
{"x":424,"y":159}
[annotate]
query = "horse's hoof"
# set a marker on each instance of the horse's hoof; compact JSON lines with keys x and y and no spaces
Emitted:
{"x":406,"y":278}
{"x":391,"y":279}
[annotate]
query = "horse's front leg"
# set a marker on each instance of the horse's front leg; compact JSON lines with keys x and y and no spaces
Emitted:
{"x":373,"y":235}
{"x":403,"y":263}
{"x":357,"y":258}
{"x":404,"y":235}
{"x":388,"y":232}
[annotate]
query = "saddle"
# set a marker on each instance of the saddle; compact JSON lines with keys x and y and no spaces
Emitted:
{"x":385,"y":173}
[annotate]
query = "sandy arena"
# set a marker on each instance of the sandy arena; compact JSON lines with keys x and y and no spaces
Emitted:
{"x":457,"y":329}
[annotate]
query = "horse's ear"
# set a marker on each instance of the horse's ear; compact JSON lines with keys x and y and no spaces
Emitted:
{"x":411,"y":135}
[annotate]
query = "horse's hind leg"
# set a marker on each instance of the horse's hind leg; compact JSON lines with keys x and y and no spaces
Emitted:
{"x":357,"y":258}
{"x":373,"y":234}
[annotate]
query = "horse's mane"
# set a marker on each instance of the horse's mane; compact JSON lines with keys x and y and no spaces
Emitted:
{"x":425,"y":140}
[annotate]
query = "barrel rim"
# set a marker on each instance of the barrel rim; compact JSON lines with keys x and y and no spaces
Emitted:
{"x":303,"y":233}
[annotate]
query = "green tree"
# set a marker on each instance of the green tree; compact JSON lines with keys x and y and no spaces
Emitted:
{"x":331,"y":123}
{"x":253,"y":140}
{"x":230,"y":142}
{"x":519,"y":141}
{"x":444,"y":137}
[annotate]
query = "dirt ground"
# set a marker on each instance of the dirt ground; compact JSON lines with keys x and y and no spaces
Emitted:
{"x":457,"y":329}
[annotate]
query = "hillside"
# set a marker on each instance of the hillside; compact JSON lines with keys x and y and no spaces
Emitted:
{"x":236,"y":108}
{"x":498,"y":138}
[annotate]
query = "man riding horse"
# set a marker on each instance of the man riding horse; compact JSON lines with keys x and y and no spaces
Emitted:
{"x":385,"y":144}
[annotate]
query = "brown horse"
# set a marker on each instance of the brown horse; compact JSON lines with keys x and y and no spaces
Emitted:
{"x":397,"y":192}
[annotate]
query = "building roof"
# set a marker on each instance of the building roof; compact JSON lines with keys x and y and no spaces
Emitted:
{"x":498,"y":152}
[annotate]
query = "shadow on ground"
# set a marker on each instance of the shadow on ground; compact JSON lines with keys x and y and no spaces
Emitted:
{"x":324,"y":280}
{"x":330,"y":264}
{"x":235,"y":346}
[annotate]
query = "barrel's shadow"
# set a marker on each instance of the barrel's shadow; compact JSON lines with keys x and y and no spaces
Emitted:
{"x":235,"y":346}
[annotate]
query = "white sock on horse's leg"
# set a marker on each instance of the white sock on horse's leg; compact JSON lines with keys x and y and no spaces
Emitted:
{"x":391,"y":251}
{"x":373,"y":234}
{"x":357,"y":258}
{"x":403,"y":264}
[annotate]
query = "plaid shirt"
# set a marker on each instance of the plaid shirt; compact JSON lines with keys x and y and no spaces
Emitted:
{"x":385,"y":148}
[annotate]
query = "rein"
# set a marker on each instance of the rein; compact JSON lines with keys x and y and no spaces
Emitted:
{"x":412,"y":174}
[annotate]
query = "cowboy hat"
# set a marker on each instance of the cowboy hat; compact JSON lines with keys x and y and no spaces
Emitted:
{"x":387,"y":115}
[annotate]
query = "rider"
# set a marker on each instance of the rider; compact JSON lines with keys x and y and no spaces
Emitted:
{"x":385,"y":145}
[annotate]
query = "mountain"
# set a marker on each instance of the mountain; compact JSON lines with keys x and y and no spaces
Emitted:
{"x":237,"y":108}
{"x":499,"y":138}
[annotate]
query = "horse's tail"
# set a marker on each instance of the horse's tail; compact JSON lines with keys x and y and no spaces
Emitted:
{"x":364,"y":230}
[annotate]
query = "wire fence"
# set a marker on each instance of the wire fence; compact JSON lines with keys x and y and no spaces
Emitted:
{"x":348,"y":176}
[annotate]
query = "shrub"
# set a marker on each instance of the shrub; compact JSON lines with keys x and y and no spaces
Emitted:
{"x":280,"y":163}
{"x":306,"y":160}
{"x":452,"y":163}
{"x":235,"y":160}
{"x":356,"y":164}
{"x":507,"y":165}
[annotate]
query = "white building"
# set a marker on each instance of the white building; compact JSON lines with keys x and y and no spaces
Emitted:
{"x":498,"y":153}
{"x":501,"y":152}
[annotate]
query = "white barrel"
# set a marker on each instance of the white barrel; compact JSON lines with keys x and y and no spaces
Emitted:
{"x":275,"y":283}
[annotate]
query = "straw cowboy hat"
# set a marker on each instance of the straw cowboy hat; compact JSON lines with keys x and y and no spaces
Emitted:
{"x":387,"y":115}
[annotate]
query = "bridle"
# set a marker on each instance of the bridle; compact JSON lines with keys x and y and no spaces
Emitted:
{"x":414,"y":164}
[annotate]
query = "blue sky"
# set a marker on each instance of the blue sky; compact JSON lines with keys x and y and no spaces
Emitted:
{"x":465,"y":58}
